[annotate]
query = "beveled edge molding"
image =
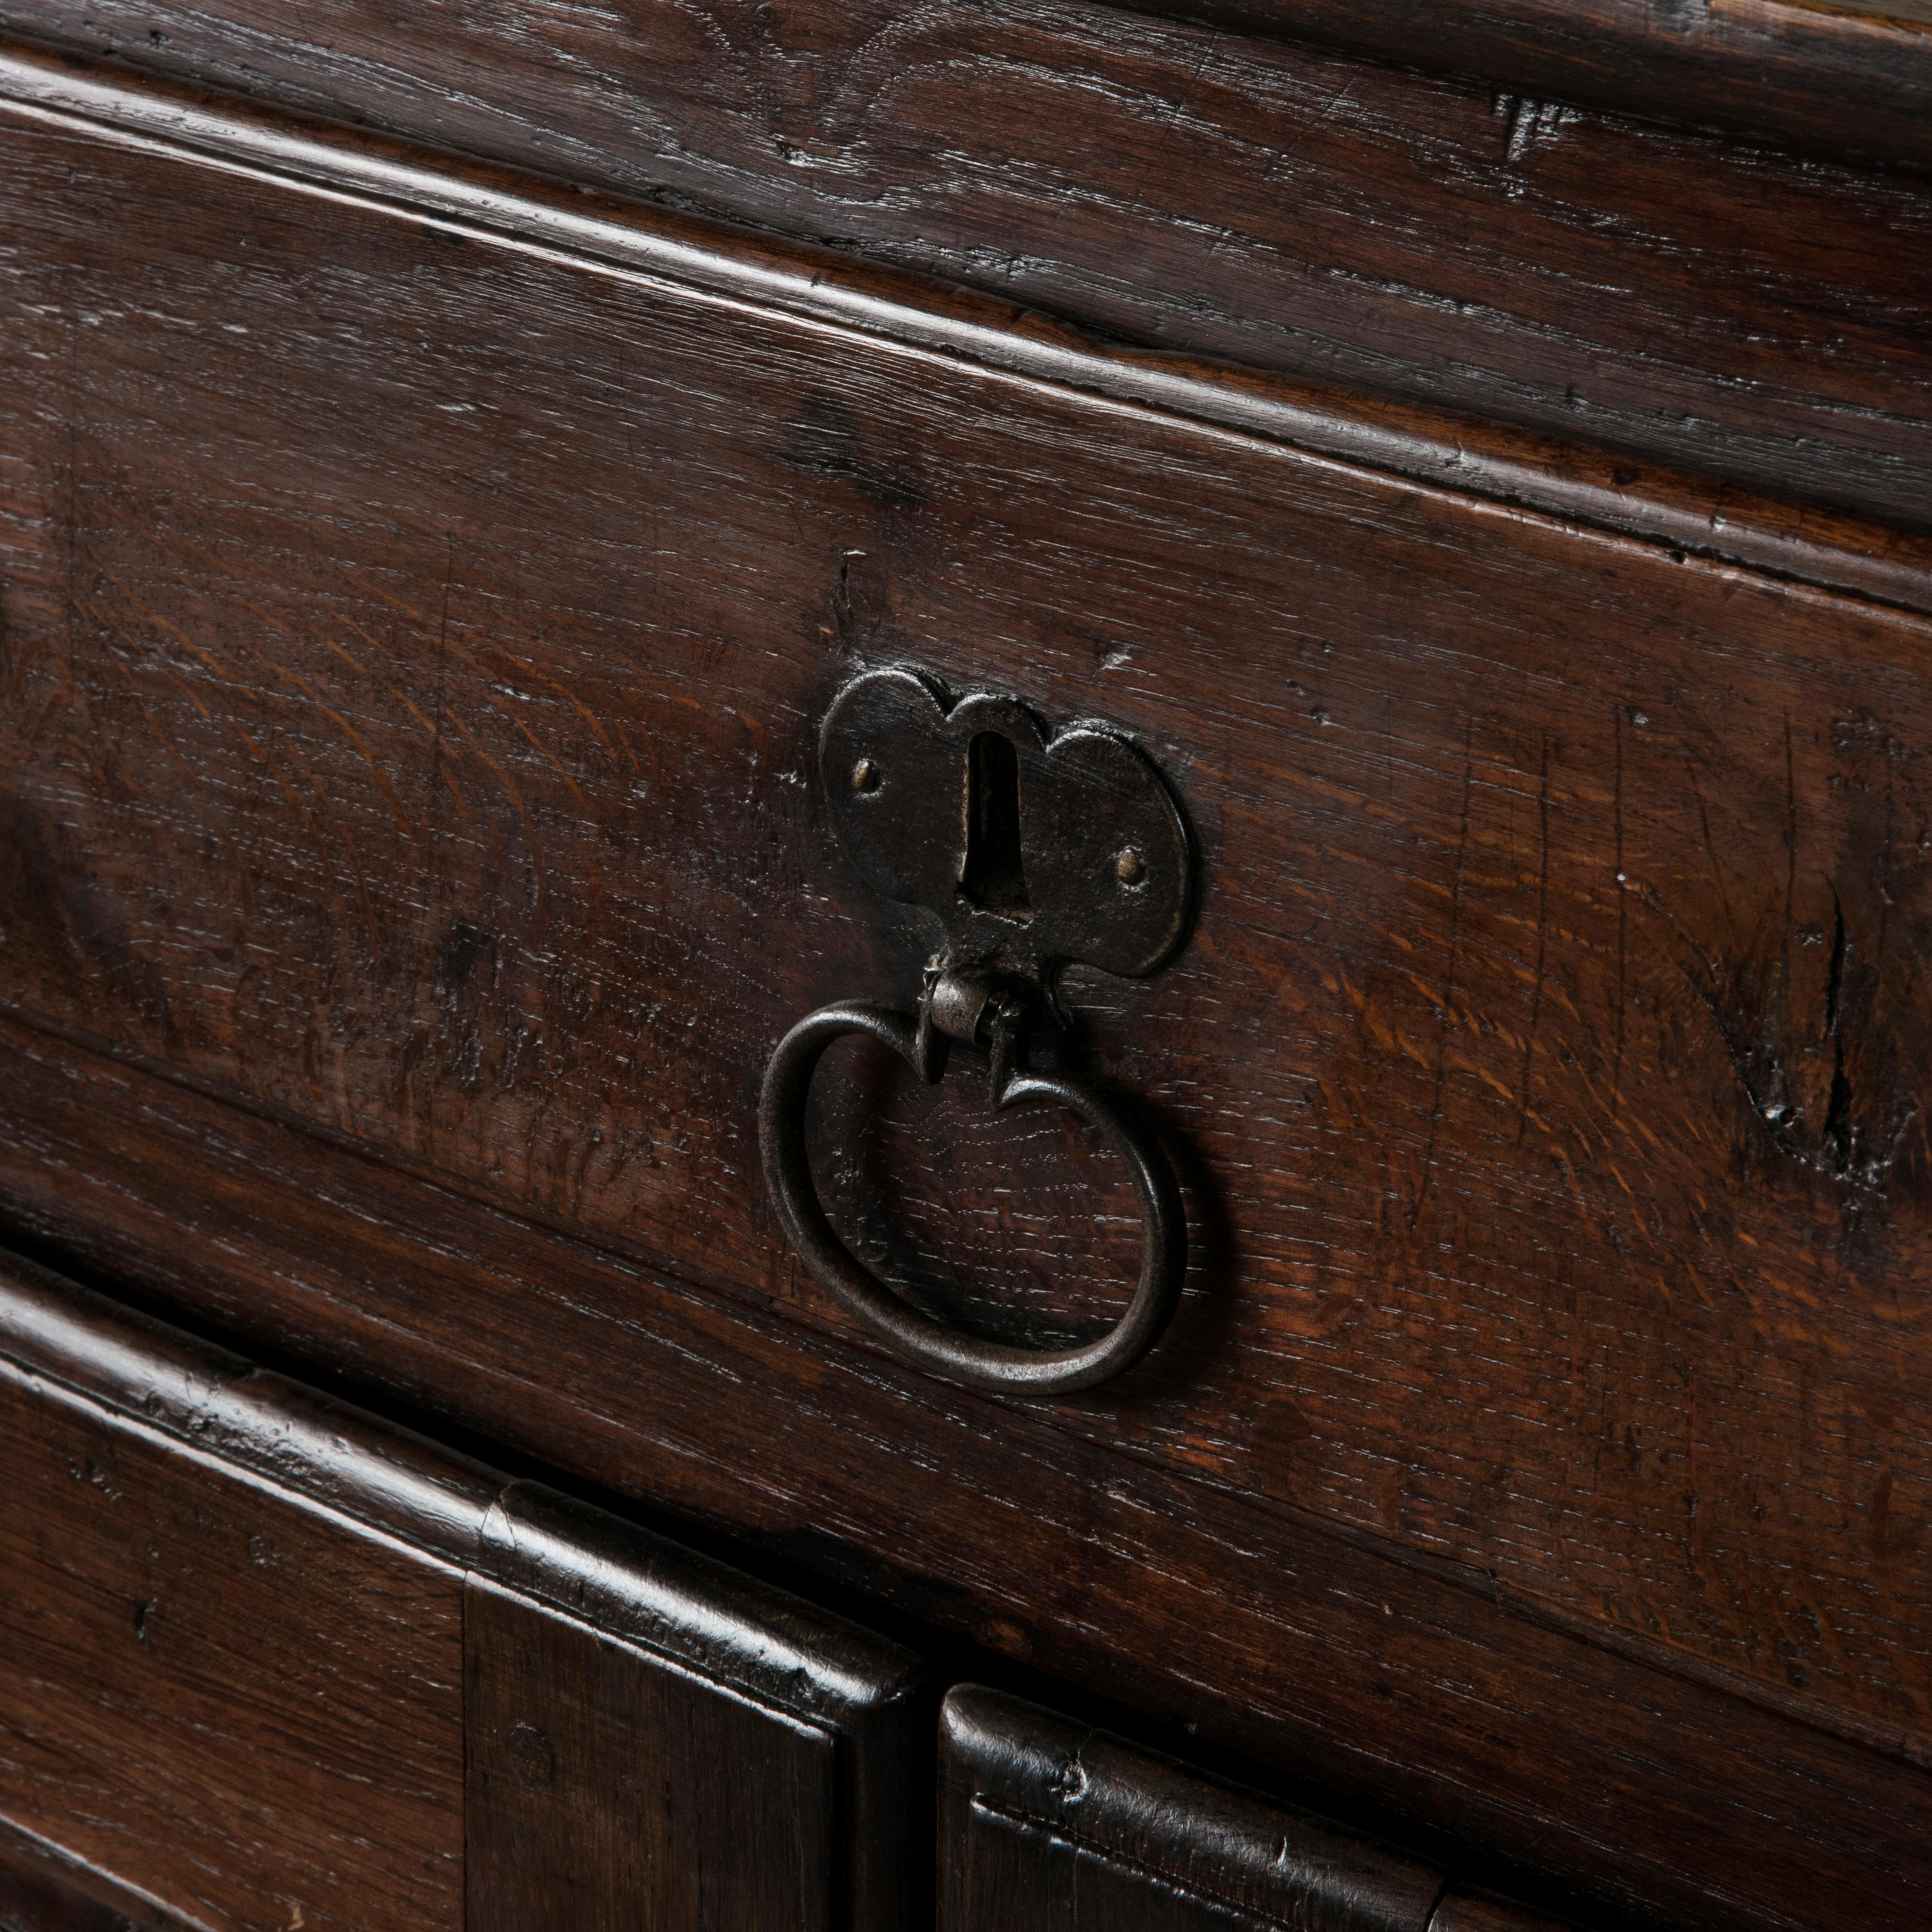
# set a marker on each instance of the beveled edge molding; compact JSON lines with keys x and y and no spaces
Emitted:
{"x":624,"y":1580}
{"x":1575,"y":486}
{"x":1244,"y":1853}
{"x":746,"y":1638}
{"x":73,"y":1895}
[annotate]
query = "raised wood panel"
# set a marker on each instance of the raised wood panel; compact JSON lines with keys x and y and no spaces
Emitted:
{"x":611,"y":1794}
{"x":219,"y":1694}
{"x":232,"y":1690}
{"x":1711,"y":304}
{"x":1846,"y":78}
{"x":1047,"y":1825}
{"x":1431,"y":1695}
{"x":716,"y":1752}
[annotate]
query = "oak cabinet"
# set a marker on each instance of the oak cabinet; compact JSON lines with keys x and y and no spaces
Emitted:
{"x":452,"y":470}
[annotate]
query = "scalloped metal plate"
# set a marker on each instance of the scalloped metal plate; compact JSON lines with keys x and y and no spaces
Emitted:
{"x":1108,"y":860}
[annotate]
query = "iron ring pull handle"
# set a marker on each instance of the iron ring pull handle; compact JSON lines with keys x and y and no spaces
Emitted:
{"x":933,"y":1345}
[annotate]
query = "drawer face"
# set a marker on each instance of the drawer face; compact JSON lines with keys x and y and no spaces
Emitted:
{"x":414,"y":648}
{"x":266,"y":1662}
{"x":218,"y":1695}
{"x":1046,"y":1825}
{"x":600,"y":1793}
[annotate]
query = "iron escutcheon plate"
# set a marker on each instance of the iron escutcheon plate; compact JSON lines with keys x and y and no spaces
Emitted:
{"x":1032,"y":848}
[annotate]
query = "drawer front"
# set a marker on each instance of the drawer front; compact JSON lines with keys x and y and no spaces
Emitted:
{"x":219,"y":1696}
{"x":1046,"y":1825}
{"x":415,"y":645}
{"x":265,"y":1662}
{"x":1210,"y":192}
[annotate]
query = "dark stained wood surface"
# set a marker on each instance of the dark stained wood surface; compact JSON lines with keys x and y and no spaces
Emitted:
{"x":1583,"y":485}
{"x":1433,"y":1694}
{"x":771,"y":1765}
{"x":1465,"y":1909}
{"x":1841,"y":77}
{"x":1845,"y":78}
{"x":28,"y":1905}
{"x":414,"y":645}
{"x":229,"y":1682}
{"x":607,"y":1793}
{"x":43,"y":1890}
{"x":211,"y":1691}
{"x":1709,"y":303}
{"x":427,"y":756}
{"x":1046,"y":1825}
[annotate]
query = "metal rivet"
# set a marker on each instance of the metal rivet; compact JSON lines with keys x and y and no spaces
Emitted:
{"x":864,"y":775}
{"x":1127,"y":866}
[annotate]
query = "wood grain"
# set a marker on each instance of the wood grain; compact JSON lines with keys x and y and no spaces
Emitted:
{"x":27,"y":1905}
{"x":44,"y":1890}
{"x":1464,"y":1909}
{"x":424,"y":755}
{"x":211,"y":1691}
{"x":793,"y":1752}
{"x":608,"y":1794}
{"x":1047,"y":1825}
{"x":1848,"y":77}
{"x":227,"y":1683}
{"x":1575,"y":482}
{"x":1711,"y":304}
{"x":1612,"y":1771}
{"x":1844,"y":78}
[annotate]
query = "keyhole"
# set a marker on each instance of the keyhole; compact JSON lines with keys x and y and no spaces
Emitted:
{"x":993,"y":876}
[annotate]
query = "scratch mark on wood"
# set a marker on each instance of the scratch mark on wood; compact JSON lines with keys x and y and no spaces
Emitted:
{"x":1446,"y":1014}
{"x":1542,"y":940}
{"x":1790,"y":832}
{"x":1623,"y":922}
{"x":1717,"y":880}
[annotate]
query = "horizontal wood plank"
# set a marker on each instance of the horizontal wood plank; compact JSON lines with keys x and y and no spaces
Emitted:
{"x":1577,"y":482}
{"x":1711,"y":304}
